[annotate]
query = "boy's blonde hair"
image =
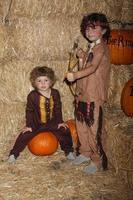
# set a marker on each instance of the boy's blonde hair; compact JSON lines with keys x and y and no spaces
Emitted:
{"x":42,"y":71}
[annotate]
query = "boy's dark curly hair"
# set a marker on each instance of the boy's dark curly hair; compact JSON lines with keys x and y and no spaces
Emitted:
{"x":95,"y":19}
{"x":41,"y":71}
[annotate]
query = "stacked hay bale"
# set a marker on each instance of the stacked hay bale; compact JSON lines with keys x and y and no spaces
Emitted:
{"x":119,"y":127}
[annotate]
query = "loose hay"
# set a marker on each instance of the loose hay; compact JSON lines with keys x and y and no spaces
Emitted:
{"x":55,"y":178}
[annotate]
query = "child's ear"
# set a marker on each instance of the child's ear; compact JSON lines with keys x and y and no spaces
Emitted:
{"x":104,"y":31}
{"x":52,"y":83}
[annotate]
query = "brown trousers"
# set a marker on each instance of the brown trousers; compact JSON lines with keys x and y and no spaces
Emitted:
{"x":92,"y":138}
{"x":63,"y":136}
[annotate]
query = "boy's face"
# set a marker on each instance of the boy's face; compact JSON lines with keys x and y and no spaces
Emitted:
{"x":43,"y":83}
{"x":94,"y":32}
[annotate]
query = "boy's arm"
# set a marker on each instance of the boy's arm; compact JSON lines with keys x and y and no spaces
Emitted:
{"x":81,"y":57}
{"x":90,"y":67}
{"x":29,"y":112}
{"x":58,"y":108}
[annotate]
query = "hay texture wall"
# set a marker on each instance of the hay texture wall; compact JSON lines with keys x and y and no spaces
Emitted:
{"x":42,"y":32}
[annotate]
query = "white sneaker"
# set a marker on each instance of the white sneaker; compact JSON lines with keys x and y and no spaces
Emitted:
{"x":80,"y":159}
{"x":12,"y":159}
{"x":70,"y":156}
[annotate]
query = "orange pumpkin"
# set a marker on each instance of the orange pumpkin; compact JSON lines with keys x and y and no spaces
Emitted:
{"x":72,"y":126}
{"x":43,"y":144}
{"x":120,"y":44}
{"x":127,"y":98}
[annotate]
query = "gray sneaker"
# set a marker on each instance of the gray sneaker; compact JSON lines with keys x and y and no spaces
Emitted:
{"x":80,"y":159}
{"x":70,"y":156}
{"x":12,"y":159}
{"x":92,"y":168}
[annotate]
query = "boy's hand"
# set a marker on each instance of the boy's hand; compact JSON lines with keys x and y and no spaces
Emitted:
{"x":26,"y":129}
{"x":80,"y":53}
{"x":64,"y":125}
{"x":70,"y":76}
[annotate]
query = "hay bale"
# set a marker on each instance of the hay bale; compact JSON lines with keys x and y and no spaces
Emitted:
{"x":12,"y":119}
{"x":14,"y":80}
{"x":127,"y":11}
{"x":46,"y":8}
{"x":120,"y":74}
{"x":4,"y":43}
{"x":44,"y":38}
{"x":120,"y":142}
